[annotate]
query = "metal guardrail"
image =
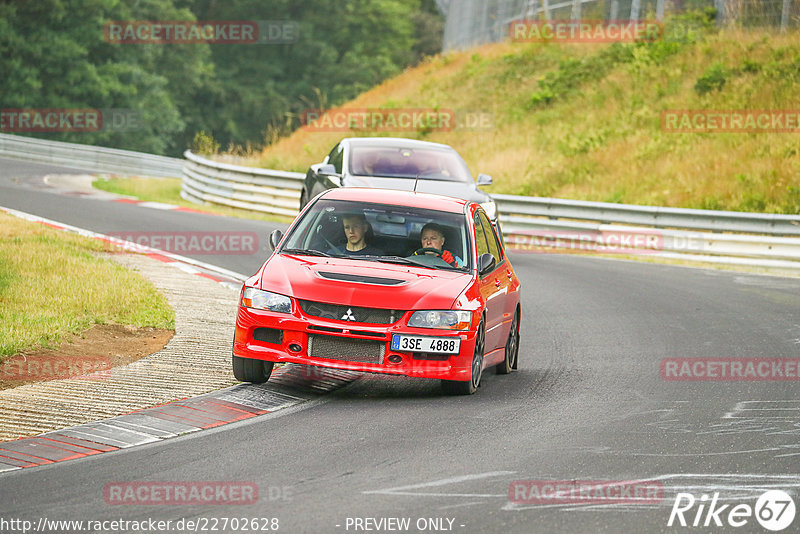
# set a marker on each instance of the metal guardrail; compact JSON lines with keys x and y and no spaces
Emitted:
{"x":517,"y":207}
{"x":550,"y":224}
{"x":89,"y":158}
{"x":250,"y":188}
{"x":532,"y":223}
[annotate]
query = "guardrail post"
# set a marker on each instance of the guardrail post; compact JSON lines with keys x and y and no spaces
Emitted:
{"x":614,"y":14}
{"x":635,"y":8}
{"x":575,"y":15}
{"x":785,"y":15}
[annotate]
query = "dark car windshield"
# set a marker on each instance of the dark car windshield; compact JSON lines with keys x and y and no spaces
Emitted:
{"x":392,"y":234}
{"x":395,"y":162}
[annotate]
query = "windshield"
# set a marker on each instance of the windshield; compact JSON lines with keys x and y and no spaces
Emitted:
{"x":382,"y":233}
{"x":394,"y":162}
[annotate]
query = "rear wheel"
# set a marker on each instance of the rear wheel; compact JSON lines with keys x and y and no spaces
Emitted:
{"x":468,"y":387}
{"x":251,"y":370}
{"x":512,"y":348}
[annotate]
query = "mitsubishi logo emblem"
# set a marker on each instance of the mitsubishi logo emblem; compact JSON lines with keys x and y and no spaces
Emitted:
{"x":349,"y":315}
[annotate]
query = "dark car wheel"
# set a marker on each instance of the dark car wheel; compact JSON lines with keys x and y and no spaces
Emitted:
{"x":303,"y":199}
{"x":250,"y":370}
{"x":512,"y":348}
{"x":468,"y":387}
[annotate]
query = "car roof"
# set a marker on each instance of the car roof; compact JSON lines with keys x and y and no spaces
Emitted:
{"x":400,"y":142}
{"x":397,"y":198}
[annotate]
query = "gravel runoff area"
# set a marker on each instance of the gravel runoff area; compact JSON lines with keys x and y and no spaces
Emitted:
{"x":197,"y":360}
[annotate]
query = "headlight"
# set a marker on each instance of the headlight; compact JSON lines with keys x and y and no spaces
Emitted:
{"x":264,"y":300}
{"x":446,"y":319}
{"x":490,"y":208}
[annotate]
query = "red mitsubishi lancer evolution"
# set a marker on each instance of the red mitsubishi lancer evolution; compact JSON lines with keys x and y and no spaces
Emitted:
{"x":383,"y":281}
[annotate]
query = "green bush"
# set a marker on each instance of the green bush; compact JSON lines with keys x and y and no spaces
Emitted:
{"x":204,"y":143}
{"x":713,"y":79}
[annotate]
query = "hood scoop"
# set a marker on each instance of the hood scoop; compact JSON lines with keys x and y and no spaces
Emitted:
{"x":361,"y":279}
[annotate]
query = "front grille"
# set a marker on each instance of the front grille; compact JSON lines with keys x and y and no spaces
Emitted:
{"x":342,"y":348}
{"x":350,"y":313}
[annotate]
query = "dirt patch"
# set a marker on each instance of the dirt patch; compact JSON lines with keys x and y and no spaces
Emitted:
{"x":91,"y":353}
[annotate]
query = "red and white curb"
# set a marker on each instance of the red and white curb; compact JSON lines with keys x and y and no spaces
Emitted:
{"x":289,"y":386}
{"x":160,"y":206}
{"x":220,"y":275}
{"x":80,"y":185}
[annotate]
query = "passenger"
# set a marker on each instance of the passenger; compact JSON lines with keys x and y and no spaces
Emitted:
{"x":432,"y":236}
{"x":358,"y":232}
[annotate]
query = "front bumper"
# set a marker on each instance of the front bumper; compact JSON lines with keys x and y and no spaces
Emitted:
{"x":366,"y":347}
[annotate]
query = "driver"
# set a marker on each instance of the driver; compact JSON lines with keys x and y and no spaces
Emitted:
{"x":358,"y":231}
{"x":432,"y":236}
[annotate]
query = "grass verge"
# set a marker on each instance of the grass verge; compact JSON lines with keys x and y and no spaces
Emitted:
{"x":168,"y":191}
{"x":584,"y":121}
{"x":51,"y":284}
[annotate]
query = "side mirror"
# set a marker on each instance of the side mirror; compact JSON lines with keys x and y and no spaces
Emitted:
{"x":275,"y":238}
{"x":484,"y":179}
{"x":486,"y":263}
{"x":326,"y":169}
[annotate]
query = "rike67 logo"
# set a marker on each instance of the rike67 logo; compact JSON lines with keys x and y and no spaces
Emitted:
{"x":774,"y":510}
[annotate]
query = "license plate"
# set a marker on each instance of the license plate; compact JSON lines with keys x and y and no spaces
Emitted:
{"x":442,"y":345}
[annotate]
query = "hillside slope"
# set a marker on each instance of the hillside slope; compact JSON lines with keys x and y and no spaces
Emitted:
{"x":584,"y":121}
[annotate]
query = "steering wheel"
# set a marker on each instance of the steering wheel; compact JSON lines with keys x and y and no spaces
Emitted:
{"x":328,"y":241}
{"x":425,"y":250}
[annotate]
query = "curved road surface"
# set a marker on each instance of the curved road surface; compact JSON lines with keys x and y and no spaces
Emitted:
{"x":588,"y":404}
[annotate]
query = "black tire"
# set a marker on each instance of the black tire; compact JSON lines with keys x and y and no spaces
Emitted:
{"x":303,"y":199}
{"x":512,"y":348}
{"x":468,"y":387}
{"x":251,"y":370}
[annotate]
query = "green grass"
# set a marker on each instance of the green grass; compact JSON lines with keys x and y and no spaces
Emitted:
{"x":51,"y":283}
{"x":168,"y":191}
{"x":583,"y":121}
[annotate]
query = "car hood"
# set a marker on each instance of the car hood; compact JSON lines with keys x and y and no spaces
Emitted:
{"x":362,"y":283}
{"x":464,"y":190}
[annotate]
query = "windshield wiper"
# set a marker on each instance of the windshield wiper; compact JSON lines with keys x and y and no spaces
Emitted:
{"x":305,"y":252}
{"x":396,"y":259}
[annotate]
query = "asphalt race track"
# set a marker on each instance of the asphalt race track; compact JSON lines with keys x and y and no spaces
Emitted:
{"x":588,"y":403}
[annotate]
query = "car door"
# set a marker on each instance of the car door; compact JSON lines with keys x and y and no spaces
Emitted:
{"x":492,"y":285}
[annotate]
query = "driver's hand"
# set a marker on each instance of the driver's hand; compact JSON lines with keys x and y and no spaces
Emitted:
{"x":446,"y":256}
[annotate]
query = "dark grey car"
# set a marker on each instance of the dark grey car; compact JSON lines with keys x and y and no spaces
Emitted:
{"x":395,"y":163}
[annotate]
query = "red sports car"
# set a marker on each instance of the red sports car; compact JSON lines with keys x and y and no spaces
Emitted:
{"x":383,"y":281}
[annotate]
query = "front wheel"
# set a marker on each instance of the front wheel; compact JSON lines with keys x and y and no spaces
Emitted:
{"x":512,"y":348}
{"x":251,"y":370}
{"x":468,"y":387}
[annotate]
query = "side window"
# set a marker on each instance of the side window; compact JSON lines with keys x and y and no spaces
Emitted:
{"x":336,"y":157}
{"x":491,"y":237}
{"x":480,"y":238}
